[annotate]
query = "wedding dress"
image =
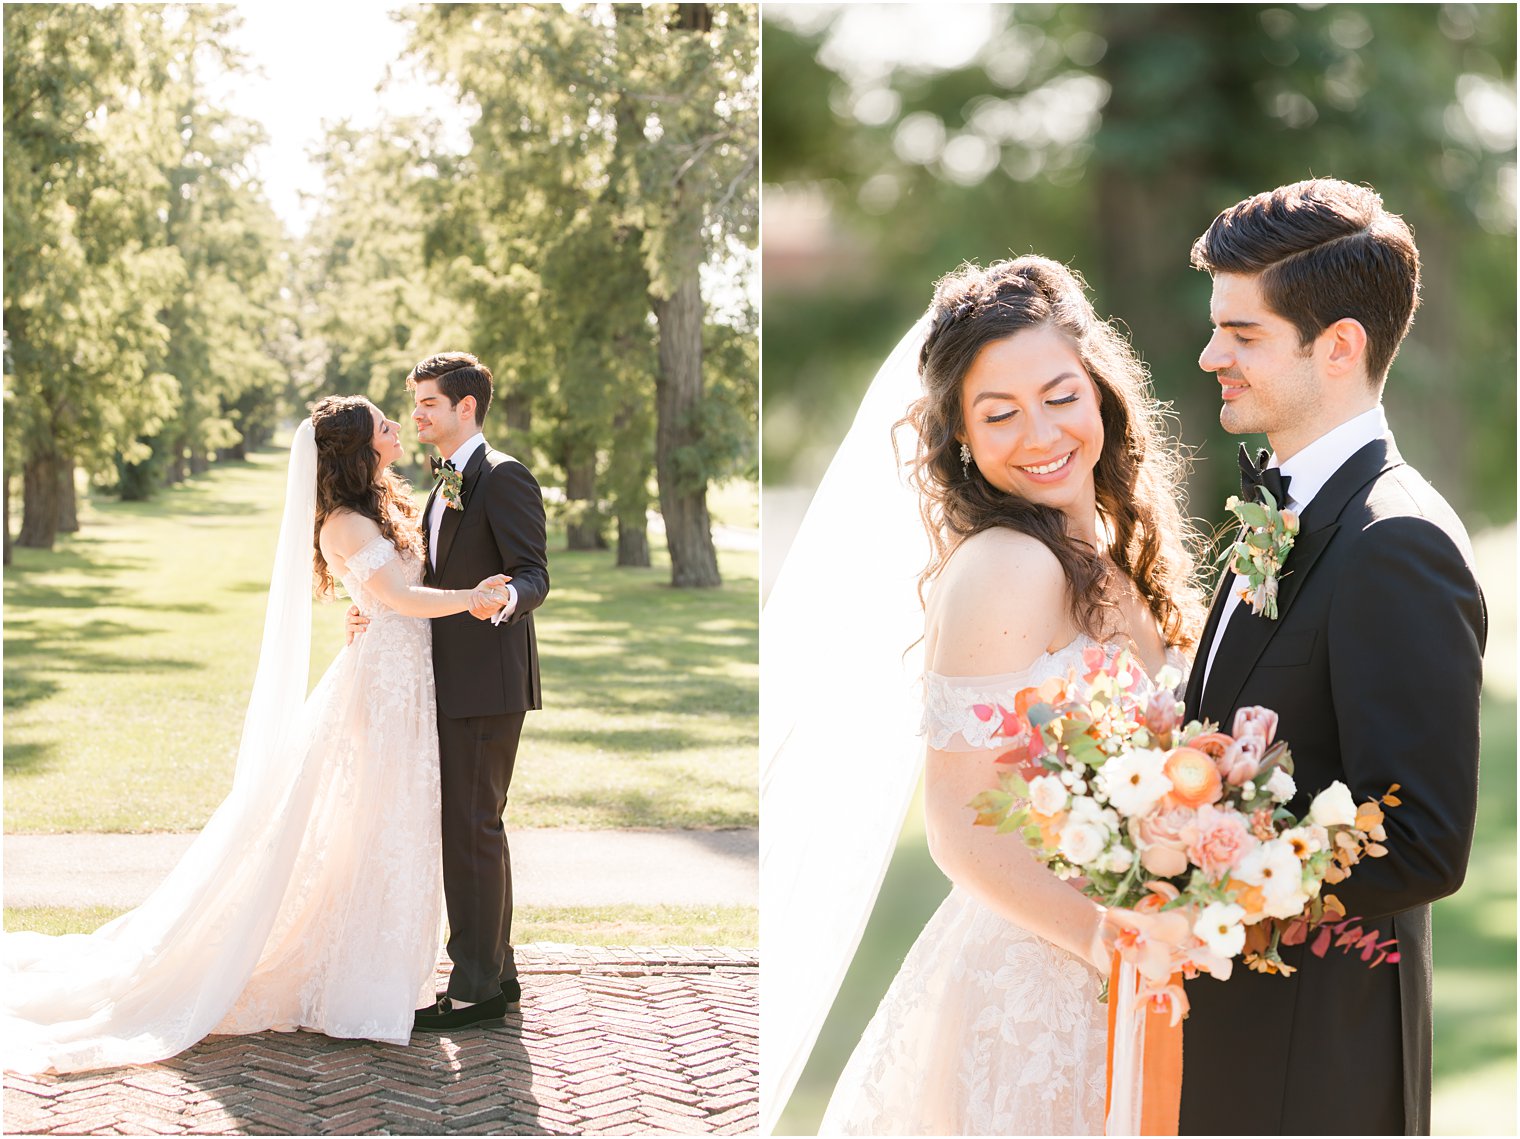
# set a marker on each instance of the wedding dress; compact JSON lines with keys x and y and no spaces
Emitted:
{"x":987,"y":1028}
{"x":313,"y":898}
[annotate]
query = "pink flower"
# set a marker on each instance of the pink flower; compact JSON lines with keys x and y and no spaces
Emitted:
{"x":1218,"y":840}
{"x":1161,"y":840}
{"x":1162,"y":716}
{"x":1242,"y":760}
{"x":1257,"y":722}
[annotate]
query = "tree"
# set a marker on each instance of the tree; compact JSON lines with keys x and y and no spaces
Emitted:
{"x":86,"y":269}
{"x":608,"y":165}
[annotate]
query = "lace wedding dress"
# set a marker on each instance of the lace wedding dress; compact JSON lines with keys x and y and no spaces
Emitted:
{"x":312,"y":899}
{"x":987,"y":1029}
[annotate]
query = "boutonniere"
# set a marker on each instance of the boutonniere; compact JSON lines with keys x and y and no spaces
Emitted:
{"x":452,"y":480}
{"x":1258,"y":556}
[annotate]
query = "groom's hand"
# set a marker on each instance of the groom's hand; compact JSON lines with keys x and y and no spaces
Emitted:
{"x":356,"y":624}
{"x":489,"y":597}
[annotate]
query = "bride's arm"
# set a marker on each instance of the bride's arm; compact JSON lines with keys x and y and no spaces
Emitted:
{"x":345,"y":534}
{"x":998,"y":606}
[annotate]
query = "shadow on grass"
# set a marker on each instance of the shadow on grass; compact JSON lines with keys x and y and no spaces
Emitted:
{"x":29,"y":758}
{"x":39,"y":649}
{"x":651,"y":804}
{"x":625,"y":642}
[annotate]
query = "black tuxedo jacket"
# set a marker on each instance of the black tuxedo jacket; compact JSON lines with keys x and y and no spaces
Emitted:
{"x":1374,"y":665}
{"x":483,"y":669}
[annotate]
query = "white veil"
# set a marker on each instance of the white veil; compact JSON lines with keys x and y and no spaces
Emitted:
{"x":840,"y":752}
{"x":279,"y":685}
{"x":159,"y":977}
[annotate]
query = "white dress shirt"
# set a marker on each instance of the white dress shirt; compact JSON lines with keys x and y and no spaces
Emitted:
{"x":460,"y":458}
{"x":1309,"y":471}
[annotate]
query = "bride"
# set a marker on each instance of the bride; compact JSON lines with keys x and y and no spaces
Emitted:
{"x":313,"y":897}
{"x":1048,"y":496}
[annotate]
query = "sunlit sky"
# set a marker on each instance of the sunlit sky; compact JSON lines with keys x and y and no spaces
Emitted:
{"x":318,"y":63}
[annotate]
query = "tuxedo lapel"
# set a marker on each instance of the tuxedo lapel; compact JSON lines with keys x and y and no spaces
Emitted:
{"x":1248,"y":634}
{"x":452,"y":518}
{"x":427,"y":530}
{"x":1193,"y":695}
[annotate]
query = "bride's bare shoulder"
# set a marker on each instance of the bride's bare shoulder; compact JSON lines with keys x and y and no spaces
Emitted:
{"x":997,"y":605}
{"x":344,"y":531}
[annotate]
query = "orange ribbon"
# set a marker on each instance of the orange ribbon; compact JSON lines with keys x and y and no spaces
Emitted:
{"x":1161,"y":1098}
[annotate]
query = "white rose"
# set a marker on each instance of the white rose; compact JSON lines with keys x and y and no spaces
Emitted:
{"x":1081,"y":843}
{"x":1333,"y":807}
{"x":1047,"y":795}
{"x":1280,"y":786}
{"x":1085,"y":809}
{"x":1136,"y":781}
{"x":1218,"y":926}
{"x":1119,"y":859}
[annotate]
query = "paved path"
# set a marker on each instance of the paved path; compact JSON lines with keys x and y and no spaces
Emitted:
{"x":609,"y":1041}
{"x":549,"y":867}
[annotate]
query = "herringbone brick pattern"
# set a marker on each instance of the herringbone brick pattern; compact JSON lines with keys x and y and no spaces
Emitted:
{"x":609,"y":1042}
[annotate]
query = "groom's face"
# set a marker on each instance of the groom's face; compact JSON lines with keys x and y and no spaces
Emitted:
{"x":438,"y":422}
{"x":1267,"y":382}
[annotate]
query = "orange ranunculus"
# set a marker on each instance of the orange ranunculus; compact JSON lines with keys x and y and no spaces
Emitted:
{"x":1195,"y":778}
{"x":1213,"y":744}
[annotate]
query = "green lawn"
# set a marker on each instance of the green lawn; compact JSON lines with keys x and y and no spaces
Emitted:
{"x":572,"y":925}
{"x":1475,"y":990}
{"x":130,"y":648}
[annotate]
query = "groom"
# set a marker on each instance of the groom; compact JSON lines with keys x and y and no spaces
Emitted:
{"x":485,"y":510}
{"x":1373,"y":662}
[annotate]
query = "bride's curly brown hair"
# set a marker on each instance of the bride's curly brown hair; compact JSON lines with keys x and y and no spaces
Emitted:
{"x":1138,"y":476}
{"x":348,"y":478}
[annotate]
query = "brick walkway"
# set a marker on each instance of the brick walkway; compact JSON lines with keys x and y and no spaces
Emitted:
{"x":609,"y":1041}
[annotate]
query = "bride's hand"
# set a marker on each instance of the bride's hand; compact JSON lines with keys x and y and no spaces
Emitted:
{"x":357,"y":622}
{"x":489,"y":596}
{"x":1145,"y":940}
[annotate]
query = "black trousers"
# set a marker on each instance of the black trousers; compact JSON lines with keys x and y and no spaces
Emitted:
{"x":476,"y":757}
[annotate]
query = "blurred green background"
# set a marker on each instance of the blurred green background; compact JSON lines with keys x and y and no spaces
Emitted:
{"x":900,"y":140}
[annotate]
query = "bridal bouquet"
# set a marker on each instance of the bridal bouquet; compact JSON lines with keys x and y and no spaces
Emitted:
{"x":1183,"y":822}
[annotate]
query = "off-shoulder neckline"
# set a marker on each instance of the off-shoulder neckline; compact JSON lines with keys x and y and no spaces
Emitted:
{"x":1081,"y":641}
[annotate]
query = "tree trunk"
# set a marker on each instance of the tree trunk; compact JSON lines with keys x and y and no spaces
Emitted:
{"x":633,"y":541}
{"x":584,"y":530}
{"x":5,"y":507}
{"x":678,"y":400}
{"x":517,"y":409}
{"x":39,"y":502}
{"x":678,"y":405}
{"x":68,"y":498}
{"x":199,"y":463}
{"x":174,"y":470}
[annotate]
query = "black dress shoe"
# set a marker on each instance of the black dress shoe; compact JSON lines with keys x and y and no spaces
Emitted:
{"x":512,"y":990}
{"x":445,"y":1016}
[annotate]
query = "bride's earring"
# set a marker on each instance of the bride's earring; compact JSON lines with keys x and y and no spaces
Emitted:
{"x":965,"y":461}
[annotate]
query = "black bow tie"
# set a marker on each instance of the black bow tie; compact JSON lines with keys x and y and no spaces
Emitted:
{"x":445,"y":465}
{"x":1258,"y":475}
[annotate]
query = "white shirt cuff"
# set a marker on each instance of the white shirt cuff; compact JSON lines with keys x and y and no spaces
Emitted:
{"x":508,"y":609}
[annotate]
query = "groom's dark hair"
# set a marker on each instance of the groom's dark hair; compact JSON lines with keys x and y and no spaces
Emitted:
{"x":1325,"y":250}
{"x":457,"y":374}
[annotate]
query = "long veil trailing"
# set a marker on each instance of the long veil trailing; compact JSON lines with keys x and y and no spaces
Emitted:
{"x":159,"y":978}
{"x":840,"y":752}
